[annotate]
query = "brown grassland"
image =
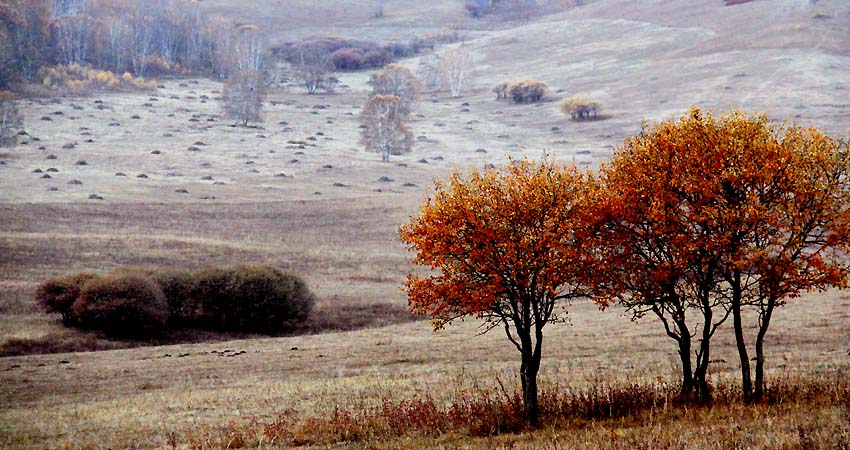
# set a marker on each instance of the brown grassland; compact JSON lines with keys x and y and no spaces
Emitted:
{"x":363,"y":373}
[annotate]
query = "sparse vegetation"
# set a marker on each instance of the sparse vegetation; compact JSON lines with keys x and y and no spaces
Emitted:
{"x":164,"y":179}
{"x":501,"y":89}
{"x":616,"y":415}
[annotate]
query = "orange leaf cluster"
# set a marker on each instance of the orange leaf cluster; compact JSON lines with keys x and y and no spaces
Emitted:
{"x":691,"y":201}
{"x":499,"y":238}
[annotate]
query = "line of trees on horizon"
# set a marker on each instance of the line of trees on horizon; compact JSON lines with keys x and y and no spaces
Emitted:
{"x":143,"y":38}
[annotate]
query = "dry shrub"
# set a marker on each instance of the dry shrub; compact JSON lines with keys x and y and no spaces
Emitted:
{"x":184,"y":310}
{"x":76,"y":79}
{"x":347,"y":59}
{"x":489,"y":412}
{"x":58,"y":342}
{"x":527,"y":91}
{"x":57,"y":295}
{"x":501,"y":89}
{"x":377,"y":58}
{"x":251,"y":298}
{"x":356,"y":54}
{"x":122,"y":306}
{"x":580,"y":108}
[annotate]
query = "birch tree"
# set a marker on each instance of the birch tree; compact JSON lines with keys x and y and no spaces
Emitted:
{"x":383,"y":128}
{"x":454,"y":68}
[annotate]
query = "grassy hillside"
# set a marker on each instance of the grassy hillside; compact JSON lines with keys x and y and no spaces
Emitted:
{"x":181,"y":186}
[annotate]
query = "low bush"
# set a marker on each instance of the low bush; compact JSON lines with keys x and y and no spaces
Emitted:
{"x":57,"y":295}
{"x":122,"y":306}
{"x":377,"y":58}
{"x":76,"y":79}
{"x":501,"y":89}
{"x":139,"y":301}
{"x":356,"y":54}
{"x":347,"y":59}
{"x":177,"y":286}
{"x":251,"y":298}
{"x":580,"y":108}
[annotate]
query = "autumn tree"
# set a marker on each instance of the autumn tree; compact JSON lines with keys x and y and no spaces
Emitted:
{"x":383,"y":129}
{"x":661,"y":250}
{"x":10,"y":119}
{"x":503,"y":246}
{"x":713,"y":215}
{"x":396,"y":80}
{"x":783,"y":198}
{"x":26,"y":26}
{"x":454,"y":68}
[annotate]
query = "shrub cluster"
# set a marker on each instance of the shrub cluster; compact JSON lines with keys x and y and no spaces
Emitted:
{"x":249,"y":298}
{"x":73,"y":78}
{"x":356,"y":54}
{"x":138,"y":302}
{"x":121,"y":305}
{"x":57,"y":295}
{"x":521,"y":91}
{"x":580,"y":108}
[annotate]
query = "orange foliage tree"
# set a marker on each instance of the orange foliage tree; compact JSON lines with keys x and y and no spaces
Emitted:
{"x":504,"y":246}
{"x":786,"y":199}
{"x":710,"y":215}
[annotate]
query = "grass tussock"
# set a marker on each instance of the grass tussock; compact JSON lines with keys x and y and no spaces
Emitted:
{"x":808,"y":412}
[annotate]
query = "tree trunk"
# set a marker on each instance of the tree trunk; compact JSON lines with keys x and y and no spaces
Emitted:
{"x":763,"y":326}
{"x":685,"y":356}
{"x":703,"y":355}
{"x":528,"y":374}
{"x":743,"y":355}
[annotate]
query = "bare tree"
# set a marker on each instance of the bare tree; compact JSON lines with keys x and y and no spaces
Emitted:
{"x":117,"y":37}
{"x":314,"y":66}
{"x":243,"y":95}
{"x":74,"y":35}
{"x":10,"y":119}
{"x":141,"y":43}
{"x":244,"y":89}
{"x":29,"y":35}
{"x":384,"y":130}
{"x":454,"y":68}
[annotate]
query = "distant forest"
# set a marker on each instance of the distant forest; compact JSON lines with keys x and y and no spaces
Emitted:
{"x":143,"y":38}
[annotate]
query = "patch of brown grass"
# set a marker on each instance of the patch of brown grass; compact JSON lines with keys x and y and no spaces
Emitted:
{"x":810,"y":412}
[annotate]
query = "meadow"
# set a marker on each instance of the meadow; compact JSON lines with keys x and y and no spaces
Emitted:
{"x":160,"y":178}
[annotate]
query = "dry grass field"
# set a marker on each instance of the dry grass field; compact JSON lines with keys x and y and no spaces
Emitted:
{"x":160,"y":178}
